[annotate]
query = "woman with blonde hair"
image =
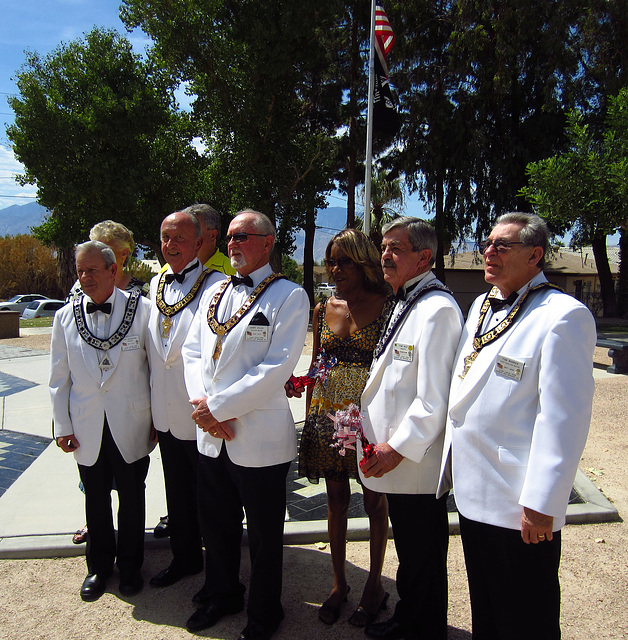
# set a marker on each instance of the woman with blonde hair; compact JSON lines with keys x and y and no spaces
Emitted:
{"x":120,"y":239}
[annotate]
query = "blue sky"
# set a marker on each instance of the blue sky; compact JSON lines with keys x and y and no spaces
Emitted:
{"x":40,"y":26}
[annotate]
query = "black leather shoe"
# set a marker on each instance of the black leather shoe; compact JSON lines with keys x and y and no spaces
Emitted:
{"x":208,"y":616}
{"x":256,"y":631}
{"x":93,"y":587}
{"x":170,"y":575}
{"x":162,"y":529}
{"x":131,"y":584}
{"x":201,"y":598}
{"x":387,"y":630}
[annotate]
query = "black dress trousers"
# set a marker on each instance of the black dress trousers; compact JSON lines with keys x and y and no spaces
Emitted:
{"x":102,"y":550}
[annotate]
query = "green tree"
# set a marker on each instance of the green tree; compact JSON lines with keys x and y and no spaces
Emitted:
{"x":259,"y":72}
{"x":387,"y":201}
{"x":584,"y":190}
{"x":290,"y":269}
{"x":482,"y":90}
{"x":97,"y":132}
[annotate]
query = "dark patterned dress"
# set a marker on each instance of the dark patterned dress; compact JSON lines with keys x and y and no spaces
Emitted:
{"x":344,"y":385}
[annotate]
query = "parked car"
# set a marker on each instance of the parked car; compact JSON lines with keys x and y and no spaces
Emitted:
{"x":21,"y":301}
{"x":42,"y":309}
{"x":325,"y":289}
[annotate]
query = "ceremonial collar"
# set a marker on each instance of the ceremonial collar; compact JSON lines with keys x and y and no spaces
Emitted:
{"x":170,"y":310}
{"x":480,"y":339}
{"x":414,"y":296}
{"x":119,"y":333}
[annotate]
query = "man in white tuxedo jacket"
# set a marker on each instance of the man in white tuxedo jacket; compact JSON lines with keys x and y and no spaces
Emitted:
{"x":244,"y":342}
{"x":404,"y":405}
{"x":519,"y":413}
{"x":99,"y":385}
{"x":175,"y":295}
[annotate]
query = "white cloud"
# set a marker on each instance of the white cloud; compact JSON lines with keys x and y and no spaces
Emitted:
{"x":10,"y":192}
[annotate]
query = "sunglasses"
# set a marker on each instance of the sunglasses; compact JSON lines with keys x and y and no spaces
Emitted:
{"x":243,"y":237}
{"x":330,"y":263}
{"x":500,"y":245}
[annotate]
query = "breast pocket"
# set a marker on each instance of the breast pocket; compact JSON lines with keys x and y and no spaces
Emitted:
{"x":513,"y":456}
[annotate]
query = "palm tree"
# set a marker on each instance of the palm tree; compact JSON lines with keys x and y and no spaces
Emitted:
{"x":387,"y":203}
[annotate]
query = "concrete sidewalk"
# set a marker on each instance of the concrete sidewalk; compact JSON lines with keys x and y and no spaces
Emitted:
{"x":43,"y":507}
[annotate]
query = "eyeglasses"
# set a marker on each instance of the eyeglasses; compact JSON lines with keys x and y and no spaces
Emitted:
{"x":243,"y":237}
{"x":330,"y":263}
{"x":501,"y":246}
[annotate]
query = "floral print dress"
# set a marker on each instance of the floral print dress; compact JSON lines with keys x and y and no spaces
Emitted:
{"x":342,"y":387}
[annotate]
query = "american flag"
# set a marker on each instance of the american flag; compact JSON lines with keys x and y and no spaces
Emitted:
{"x":384,"y":36}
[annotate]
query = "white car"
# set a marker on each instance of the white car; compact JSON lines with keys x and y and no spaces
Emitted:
{"x":325,"y":289}
{"x":20,"y":302}
{"x":42,"y":309}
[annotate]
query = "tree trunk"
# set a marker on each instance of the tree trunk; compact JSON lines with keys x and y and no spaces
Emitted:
{"x":439,"y":265}
{"x":66,"y":269}
{"x":607,"y":287}
{"x":308,"y":255}
{"x":622,"y":285}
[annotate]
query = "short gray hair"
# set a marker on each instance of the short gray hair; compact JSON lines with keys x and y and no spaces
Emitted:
{"x":97,"y":247}
{"x":211,"y":217}
{"x":535,"y":232}
{"x":421,"y":234}
{"x":262,"y":223}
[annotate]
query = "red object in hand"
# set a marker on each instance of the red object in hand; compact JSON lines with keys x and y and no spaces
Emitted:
{"x":368,"y":450}
{"x":300,"y":383}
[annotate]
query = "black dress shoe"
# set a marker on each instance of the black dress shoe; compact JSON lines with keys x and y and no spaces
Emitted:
{"x":170,"y":575}
{"x":93,"y":587}
{"x":162,"y":529}
{"x":201,"y":598}
{"x":131,"y":584}
{"x":256,"y":631}
{"x":387,"y":630}
{"x":208,"y":616}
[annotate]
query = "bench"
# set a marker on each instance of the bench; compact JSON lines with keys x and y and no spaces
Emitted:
{"x":617,"y":350}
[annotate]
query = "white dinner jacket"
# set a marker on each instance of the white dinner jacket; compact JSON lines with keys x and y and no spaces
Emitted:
{"x":82,"y":396}
{"x":247,"y":381}
{"x":169,"y":399}
{"x":405,"y":403}
{"x":514,"y":443}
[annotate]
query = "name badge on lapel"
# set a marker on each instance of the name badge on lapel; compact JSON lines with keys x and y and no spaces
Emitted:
{"x":404,"y":352}
{"x":130,"y":343}
{"x":509,"y":368}
{"x":257,"y":331}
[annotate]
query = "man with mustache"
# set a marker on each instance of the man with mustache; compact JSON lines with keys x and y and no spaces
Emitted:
{"x":404,"y":404}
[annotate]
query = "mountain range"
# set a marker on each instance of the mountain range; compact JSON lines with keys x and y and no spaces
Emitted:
{"x":19,"y":219}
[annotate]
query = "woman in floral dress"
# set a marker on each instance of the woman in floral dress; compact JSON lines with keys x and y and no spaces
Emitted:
{"x":346,"y":328}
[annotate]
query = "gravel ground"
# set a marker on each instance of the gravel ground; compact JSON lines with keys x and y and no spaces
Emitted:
{"x":39,"y":598}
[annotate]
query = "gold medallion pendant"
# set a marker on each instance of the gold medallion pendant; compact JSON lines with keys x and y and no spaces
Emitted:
{"x":218,"y":350}
{"x":166,"y":326}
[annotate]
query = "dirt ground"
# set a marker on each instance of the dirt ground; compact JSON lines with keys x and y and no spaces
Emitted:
{"x":39,"y":598}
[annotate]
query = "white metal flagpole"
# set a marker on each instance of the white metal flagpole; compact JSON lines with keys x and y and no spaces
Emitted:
{"x":369,"y":128}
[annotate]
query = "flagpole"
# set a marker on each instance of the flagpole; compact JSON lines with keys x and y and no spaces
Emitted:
{"x":369,"y":128}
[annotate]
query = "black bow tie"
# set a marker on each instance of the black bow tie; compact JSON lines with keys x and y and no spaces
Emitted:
{"x":105,"y":307}
{"x":235,"y":281}
{"x":402,"y":294}
{"x":497,"y":303}
{"x":179,"y":277}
